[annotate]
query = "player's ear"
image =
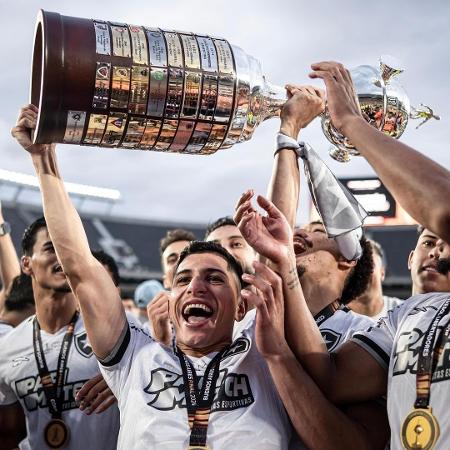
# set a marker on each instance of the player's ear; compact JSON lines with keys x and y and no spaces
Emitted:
{"x":25,"y":264}
{"x":241,"y":310}
{"x":410,"y":258}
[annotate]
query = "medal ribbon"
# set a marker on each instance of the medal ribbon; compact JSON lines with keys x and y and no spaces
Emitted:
{"x":199,"y":402}
{"x":429,"y":356}
{"x":326,"y":312}
{"x":53,"y":391}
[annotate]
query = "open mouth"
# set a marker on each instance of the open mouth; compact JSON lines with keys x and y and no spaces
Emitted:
{"x":300,"y":245}
{"x":197,"y":313}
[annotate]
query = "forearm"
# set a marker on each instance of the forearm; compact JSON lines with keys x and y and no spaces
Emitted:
{"x":302,"y":334}
{"x":419,"y":184}
{"x":63,"y":222}
{"x":9,"y":263}
{"x":318,"y":422}
{"x":284,"y":185}
{"x":99,"y":300}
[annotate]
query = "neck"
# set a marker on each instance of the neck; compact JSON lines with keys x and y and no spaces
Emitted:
{"x":199,"y":352}
{"x":54,"y":310}
{"x":14,"y":318}
{"x":369,"y":304}
{"x":320,"y":293}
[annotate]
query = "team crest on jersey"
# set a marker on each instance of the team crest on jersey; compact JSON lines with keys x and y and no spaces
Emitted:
{"x":407,"y":351}
{"x":166,"y":390}
{"x":82,"y":345}
{"x":331,"y":338}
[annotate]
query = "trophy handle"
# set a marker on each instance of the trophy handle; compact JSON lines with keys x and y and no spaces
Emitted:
{"x":423,"y":112}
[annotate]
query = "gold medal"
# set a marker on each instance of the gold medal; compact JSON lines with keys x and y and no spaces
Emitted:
{"x":56,"y":433}
{"x":420,"y":430}
{"x":198,"y":447}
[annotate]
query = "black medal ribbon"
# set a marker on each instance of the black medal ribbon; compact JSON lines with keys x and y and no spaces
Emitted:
{"x":199,"y":401}
{"x":53,"y":391}
{"x":326,"y":312}
{"x":430,"y":351}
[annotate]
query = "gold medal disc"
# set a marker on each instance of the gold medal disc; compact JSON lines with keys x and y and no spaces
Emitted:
{"x":56,"y":434}
{"x":420,"y":430}
{"x":198,"y":447}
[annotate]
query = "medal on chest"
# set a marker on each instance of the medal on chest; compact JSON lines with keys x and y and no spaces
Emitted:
{"x":420,"y":428}
{"x":56,"y":434}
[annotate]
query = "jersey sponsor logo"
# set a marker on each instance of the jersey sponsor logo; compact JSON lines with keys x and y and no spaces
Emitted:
{"x":406,"y":355}
{"x":166,"y":389}
{"x":82,"y":345}
{"x":331,"y":338}
{"x":30,"y":391}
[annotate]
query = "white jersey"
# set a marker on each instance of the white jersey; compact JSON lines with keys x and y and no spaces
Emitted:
{"x":341,"y":326}
{"x":388,"y":303}
{"x":20,"y":381}
{"x":395,"y":343}
{"x":146,"y":377}
{"x":5,"y":328}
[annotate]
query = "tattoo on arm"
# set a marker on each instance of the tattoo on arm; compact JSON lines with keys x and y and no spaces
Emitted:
{"x":292,"y":281}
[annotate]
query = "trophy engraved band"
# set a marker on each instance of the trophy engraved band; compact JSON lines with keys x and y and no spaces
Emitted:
{"x":111,"y":84}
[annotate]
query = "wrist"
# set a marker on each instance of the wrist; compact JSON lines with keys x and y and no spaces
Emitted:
{"x":290,"y":130}
{"x":282,"y":355}
{"x":352,"y":123}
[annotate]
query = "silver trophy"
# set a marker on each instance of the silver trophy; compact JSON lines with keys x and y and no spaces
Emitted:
{"x":111,"y":84}
{"x":383,"y":102}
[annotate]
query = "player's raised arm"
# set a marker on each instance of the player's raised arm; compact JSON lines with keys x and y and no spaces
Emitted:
{"x":415,"y":181}
{"x":303,"y":105}
{"x":9,"y":262}
{"x":271,"y":237}
{"x":102,"y":310}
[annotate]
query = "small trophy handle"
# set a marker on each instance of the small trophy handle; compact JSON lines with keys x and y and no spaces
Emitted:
{"x":423,"y":112}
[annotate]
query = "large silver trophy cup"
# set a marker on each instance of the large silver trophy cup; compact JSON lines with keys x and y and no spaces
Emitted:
{"x":110,"y":84}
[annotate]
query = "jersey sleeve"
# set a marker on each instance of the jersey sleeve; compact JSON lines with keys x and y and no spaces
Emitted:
{"x":378,"y":339}
{"x":116,"y":366}
{"x":7,"y":394}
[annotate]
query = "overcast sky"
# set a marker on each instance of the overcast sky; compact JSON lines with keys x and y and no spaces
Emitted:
{"x":286,"y":36}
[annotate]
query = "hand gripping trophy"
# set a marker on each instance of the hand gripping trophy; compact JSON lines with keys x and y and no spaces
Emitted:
{"x":110,"y":84}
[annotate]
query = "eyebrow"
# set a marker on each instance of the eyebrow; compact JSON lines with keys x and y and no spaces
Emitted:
{"x":209,"y":270}
{"x":429,"y":236}
{"x":170,"y":255}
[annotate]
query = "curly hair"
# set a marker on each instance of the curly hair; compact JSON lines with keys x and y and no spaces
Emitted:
{"x":359,"y":277}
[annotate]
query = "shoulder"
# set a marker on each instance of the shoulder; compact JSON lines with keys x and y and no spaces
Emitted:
{"x":17,"y":334}
{"x":354,"y":320}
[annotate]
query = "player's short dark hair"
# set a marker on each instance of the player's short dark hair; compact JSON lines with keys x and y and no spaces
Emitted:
{"x":420,"y":229}
{"x":212,"y":247}
{"x":359,"y":277}
{"x":20,"y":295}
{"x":221,"y":222}
{"x":175,"y":235}
{"x":108,"y":261}
{"x":29,"y":235}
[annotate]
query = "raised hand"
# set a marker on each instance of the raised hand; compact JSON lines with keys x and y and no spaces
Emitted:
{"x":342,"y":102}
{"x":26,"y":122}
{"x":270,"y":235}
{"x":303,"y":105}
{"x":268,"y":299}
